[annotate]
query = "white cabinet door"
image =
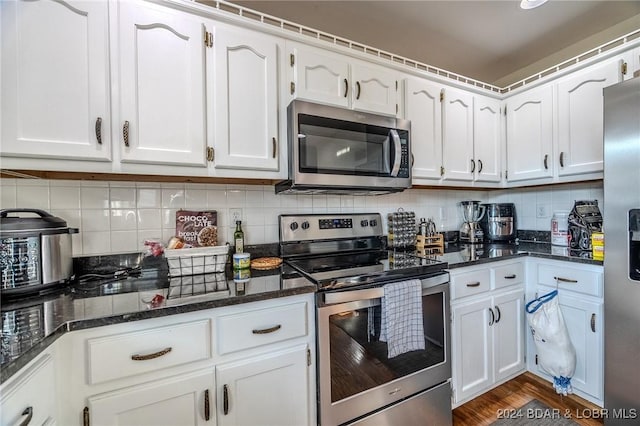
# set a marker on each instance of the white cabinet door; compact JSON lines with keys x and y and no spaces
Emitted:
{"x":270,"y":389}
{"x":186,"y":400}
{"x":584,"y":323}
{"x":334,"y":79}
{"x":508,"y":334}
{"x":246,"y":100}
{"x":55,"y":79}
{"x":373,"y":89}
{"x":472,"y":348}
{"x":319,"y":76}
{"x":31,"y":394}
{"x":581,"y":117}
{"x":423,"y":108}
{"x":162,"y":86}
{"x":487,"y":139}
{"x":530,"y":135}
{"x":457,"y":135}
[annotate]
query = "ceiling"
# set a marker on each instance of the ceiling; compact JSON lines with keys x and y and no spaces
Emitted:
{"x":495,"y":41}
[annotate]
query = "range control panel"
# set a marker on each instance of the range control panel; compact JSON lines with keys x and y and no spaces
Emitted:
{"x":329,"y":226}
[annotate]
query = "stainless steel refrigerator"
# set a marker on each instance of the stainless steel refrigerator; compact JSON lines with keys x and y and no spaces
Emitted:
{"x":622,"y":252}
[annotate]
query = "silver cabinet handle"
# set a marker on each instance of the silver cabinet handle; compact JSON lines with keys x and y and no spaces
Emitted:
{"x":225,"y":399}
{"x":99,"y":130}
{"x":476,"y":284}
{"x":565,"y":280}
{"x":357,"y":90}
{"x":509,"y":277}
{"x":480,"y":164}
{"x":499,"y":314}
{"x":493,"y":317}
{"x":561,"y":159}
{"x":267,"y":330}
{"x":546,"y":158}
{"x":151,"y":356}
{"x":593,"y":322}
{"x":125,"y":133}
{"x":274,"y":143}
{"x":473,"y":165}
{"x":207,"y":406}
{"x":29,"y":413}
{"x":346,"y":87}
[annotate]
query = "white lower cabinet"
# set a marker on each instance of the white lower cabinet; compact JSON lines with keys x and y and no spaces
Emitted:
{"x":582,"y":305}
{"x":30,"y":396}
{"x":488,"y":344}
{"x":183,"y":400}
{"x":269,"y":389}
{"x":174,"y":370}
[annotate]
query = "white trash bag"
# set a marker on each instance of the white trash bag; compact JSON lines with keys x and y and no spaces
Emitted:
{"x":556,"y":354}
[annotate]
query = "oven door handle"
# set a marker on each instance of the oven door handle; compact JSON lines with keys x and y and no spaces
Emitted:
{"x":332,"y":298}
{"x":397,"y":147}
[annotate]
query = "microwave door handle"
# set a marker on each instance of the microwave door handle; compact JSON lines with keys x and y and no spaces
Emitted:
{"x":398,"y":152}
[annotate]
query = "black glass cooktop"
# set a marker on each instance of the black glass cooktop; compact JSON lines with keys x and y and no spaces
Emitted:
{"x":359,"y":268}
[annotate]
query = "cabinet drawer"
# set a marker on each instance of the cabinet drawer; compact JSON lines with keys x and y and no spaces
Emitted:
{"x":261,"y":327}
{"x":507,"y":275}
{"x":128,"y":354}
{"x":571,"y":279}
{"x":31,"y":393}
{"x":470,"y":283}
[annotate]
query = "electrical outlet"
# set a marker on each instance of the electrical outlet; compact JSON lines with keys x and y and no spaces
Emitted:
{"x":236,"y":215}
{"x":541,"y":211}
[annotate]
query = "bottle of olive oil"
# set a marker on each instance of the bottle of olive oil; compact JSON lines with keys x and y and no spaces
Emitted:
{"x":238,"y":237}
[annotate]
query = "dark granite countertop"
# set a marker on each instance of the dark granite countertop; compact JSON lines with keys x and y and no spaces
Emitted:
{"x":145,"y":290}
{"x":31,"y":323}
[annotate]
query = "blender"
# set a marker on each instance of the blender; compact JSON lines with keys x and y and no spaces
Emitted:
{"x":472,"y":212}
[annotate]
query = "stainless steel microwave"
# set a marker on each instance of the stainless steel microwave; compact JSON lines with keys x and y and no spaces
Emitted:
{"x":336,"y":150}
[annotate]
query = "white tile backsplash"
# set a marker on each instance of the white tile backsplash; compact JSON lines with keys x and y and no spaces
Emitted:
{"x":117,"y":217}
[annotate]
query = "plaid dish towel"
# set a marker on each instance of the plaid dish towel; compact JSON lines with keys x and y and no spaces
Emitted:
{"x":401,"y":325}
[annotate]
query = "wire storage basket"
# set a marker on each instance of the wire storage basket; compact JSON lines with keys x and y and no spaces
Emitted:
{"x":195,"y":261}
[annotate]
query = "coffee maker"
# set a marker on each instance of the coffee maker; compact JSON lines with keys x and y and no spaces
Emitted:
{"x":472,"y":213}
{"x":499,"y":222}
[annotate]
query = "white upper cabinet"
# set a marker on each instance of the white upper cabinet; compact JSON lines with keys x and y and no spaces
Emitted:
{"x":581,"y":119}
{"x":423,"y":108}
{"x":457,"y":135}
{"x":322,"y":76}
{"x":162,"y":86}
{"x":530,"y":134}
{"x":55,"y":79}
{"x":246,"y":99}
{"x":487,"y":139}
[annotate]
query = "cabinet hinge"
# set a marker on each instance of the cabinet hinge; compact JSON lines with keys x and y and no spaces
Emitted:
{"x":85,"y":416}
{"x":210,"y":154}
{"x":208,"y":39}
{"x":441,"y":170}
{"x":292,"y":59}
{"x":308,"y":357}
{"x":442,"y":95}
{"x":293,"y":88}
{"x":624,"y":68}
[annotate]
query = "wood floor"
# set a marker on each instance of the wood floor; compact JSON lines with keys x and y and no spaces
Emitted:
{"x":515,"y":393}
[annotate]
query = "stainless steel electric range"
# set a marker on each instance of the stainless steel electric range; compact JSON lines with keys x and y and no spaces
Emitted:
{"x":358,"y":383}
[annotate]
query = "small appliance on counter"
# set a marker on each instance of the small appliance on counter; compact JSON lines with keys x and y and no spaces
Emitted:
{"x":585,"y":218}
{"x":499,"y":222}
{"x":472,"y":213}
{"x":35,"y":251}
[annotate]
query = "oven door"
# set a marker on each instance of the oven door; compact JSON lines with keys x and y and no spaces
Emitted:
{"x":355,"y":375}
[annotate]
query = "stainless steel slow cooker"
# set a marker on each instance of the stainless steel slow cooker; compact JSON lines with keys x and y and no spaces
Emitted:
{"x":35,"y":250}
